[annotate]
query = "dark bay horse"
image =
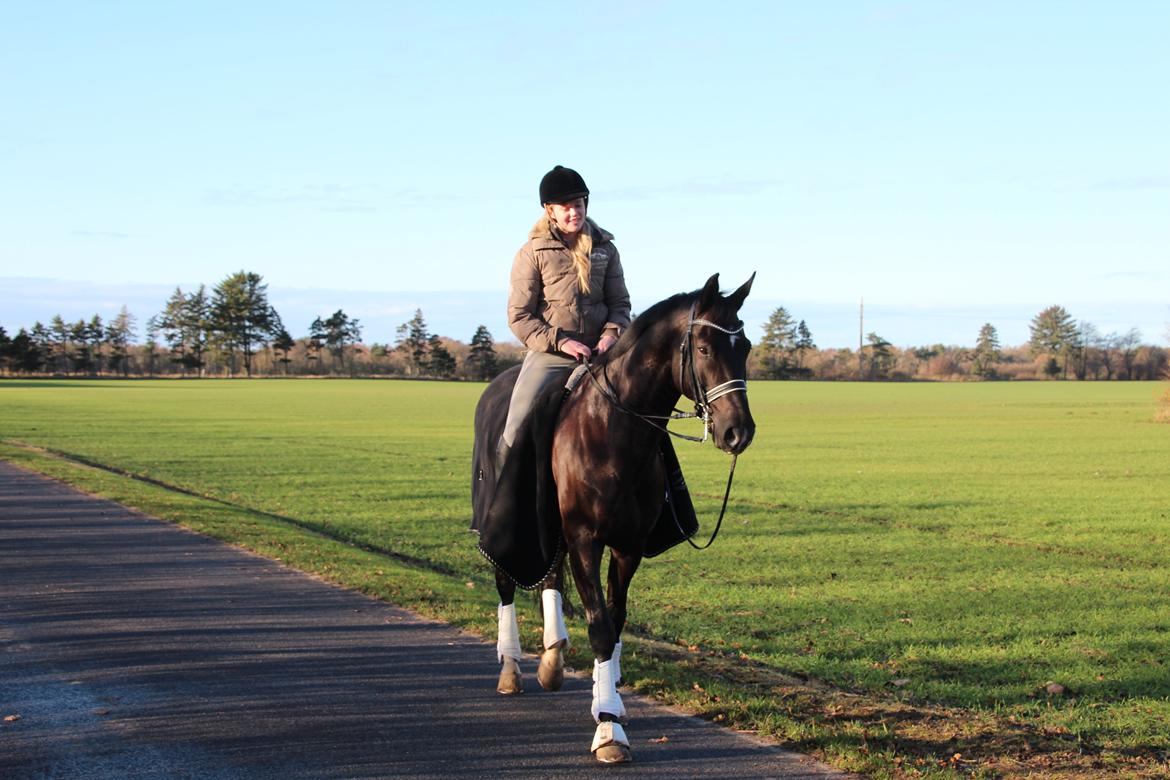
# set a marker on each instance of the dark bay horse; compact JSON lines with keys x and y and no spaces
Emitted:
{"x":608,"y":478}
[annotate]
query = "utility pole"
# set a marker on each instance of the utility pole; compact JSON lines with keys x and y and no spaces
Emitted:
{"x":860,"y":340}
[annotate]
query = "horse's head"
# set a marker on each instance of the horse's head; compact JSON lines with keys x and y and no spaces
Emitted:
{"x":714,"y":364}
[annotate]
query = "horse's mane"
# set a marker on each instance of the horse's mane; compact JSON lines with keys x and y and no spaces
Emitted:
{"x":647,"y":320}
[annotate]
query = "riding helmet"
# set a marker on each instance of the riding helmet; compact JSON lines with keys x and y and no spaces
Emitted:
{"x":561,"y":185}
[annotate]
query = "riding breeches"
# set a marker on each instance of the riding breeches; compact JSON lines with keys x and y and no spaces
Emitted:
{"x":539,"y":370}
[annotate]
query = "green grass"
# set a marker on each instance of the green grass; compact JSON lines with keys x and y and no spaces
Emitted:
{"x":947,"y":548}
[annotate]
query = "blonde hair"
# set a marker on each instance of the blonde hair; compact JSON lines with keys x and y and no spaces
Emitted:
{"x":580,"y":250}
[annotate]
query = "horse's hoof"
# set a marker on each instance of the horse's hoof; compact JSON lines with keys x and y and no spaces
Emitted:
{"x":551,"y":673}
{"x":613,"y":754}
{"x":610,"y":743}
{"x":509,"y":683}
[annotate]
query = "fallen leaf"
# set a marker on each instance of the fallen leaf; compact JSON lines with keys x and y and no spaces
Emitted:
{"x":663,"y":738}
{"x":11,"y":718}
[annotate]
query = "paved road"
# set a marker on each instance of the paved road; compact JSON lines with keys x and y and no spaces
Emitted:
{"x":131,"y":648}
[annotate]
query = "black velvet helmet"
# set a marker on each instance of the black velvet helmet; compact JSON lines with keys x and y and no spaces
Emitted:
{"x":561,"y":185}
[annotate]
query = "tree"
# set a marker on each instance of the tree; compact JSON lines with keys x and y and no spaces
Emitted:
{"x":778,"y":343}
{"x":482,"y":359}
{"x":95,"y":334}
{"x":987,"y":351}
{"x":5,"y":349}
{"x":80,"y":355}
{"x":1129,"y":344}
{"x":241,"y":318}
{"x":317,"y":335}
{"x":804,"y":343}
{"x":185,"y":327}
{"x":881,"y":357}
{"x":440,"y":363}
{"x":282,"y":345}
{"x":413,"y":342}
{"x":56,"y":347}
{"x":119,"y":334}
{"x":27,"y":353}
{"x":339,"y":332}
{"x":1054,"y":334}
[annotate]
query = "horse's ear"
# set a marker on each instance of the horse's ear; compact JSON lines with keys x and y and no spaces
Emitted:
{"x":709,"y":293}
{"x":736,"y":298}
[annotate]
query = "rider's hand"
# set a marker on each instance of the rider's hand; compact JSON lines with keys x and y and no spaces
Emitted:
{"x":606,"y":342}
{"x":575,"y":349}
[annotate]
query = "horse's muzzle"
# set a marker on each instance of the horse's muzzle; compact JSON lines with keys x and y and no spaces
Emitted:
{"x":736,"y":438}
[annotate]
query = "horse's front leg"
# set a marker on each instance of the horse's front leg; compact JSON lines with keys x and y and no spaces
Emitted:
{"x":610,"y":743}
{"x":507,"y":637}
{"x":621,"y":571}
{"x":551,"y":672}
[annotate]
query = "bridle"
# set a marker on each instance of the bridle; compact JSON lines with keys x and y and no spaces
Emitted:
{"x":703,"y":399}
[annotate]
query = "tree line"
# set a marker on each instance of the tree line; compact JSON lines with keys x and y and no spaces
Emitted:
{"x":1059,"y":347}
{"x":232,"y":329}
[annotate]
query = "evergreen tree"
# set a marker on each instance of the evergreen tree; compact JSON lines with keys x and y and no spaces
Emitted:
{"x":987,"y":352}
{"x":57,"y":349}
{"x":185,"y":327}
{"x":241,"y":318}
{"x":5,"y":350}
{"x":804,"y":343}
{"x":483,"y":354}
{"x":27,"y":352}
{"x":413,"y":342}
{"x":95,"y":336}
{"x":440,"y":362}
{"x":341,"y":332}
{"x":778,"y":343}
{"x":1054,"y":334}
{"x":317,"y":335}
{"x":79,"y":355}
{"x":881,"y":357}
{"x":119,"y":334}
{"x":282,"y":345}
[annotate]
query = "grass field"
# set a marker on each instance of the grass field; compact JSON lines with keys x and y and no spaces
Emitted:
{"x":905,"y":572}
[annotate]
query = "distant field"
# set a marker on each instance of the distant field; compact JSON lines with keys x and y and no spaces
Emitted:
{"x":959,"y":545}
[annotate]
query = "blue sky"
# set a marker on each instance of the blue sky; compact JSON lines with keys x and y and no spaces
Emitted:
{"x":952,"y":163}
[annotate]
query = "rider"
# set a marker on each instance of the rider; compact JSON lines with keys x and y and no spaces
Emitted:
{"x":567,"y":299}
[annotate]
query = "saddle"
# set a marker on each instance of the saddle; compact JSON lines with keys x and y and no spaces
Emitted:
{"x":517,"y":514}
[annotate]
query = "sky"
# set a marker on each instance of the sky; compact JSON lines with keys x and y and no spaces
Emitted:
{"x":952,"y":164}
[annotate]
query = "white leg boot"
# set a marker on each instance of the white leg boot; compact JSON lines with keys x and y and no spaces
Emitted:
{"x":610,"y":743}
{"x":551,"y":673}
{"x":508,"y":650}
{"x":605,"y":695}
{"x":554,"y":619}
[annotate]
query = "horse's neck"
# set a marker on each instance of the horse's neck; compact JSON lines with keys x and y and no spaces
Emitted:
{"x":643,"y":380}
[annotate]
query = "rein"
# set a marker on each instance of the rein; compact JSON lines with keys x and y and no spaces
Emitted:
{"x":703,"y":400}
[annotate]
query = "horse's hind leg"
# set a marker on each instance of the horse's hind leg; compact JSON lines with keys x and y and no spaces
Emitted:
{"x":508,"y":637}
{"x":551,"y":673}
{"x":610,"y":743}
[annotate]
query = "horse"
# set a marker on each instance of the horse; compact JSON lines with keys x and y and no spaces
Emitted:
{"x":603,"y":480}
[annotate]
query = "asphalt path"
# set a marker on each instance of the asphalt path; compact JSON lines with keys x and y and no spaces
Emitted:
{"x":132,"y":648}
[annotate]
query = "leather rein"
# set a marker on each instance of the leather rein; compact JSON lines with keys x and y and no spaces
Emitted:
{"x":703,"y":400}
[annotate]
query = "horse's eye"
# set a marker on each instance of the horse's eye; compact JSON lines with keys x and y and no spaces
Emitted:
{"x":704,"y":351}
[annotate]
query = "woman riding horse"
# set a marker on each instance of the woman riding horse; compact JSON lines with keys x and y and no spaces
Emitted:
{"x":567,"y":301}
{"x":550,"y":481}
